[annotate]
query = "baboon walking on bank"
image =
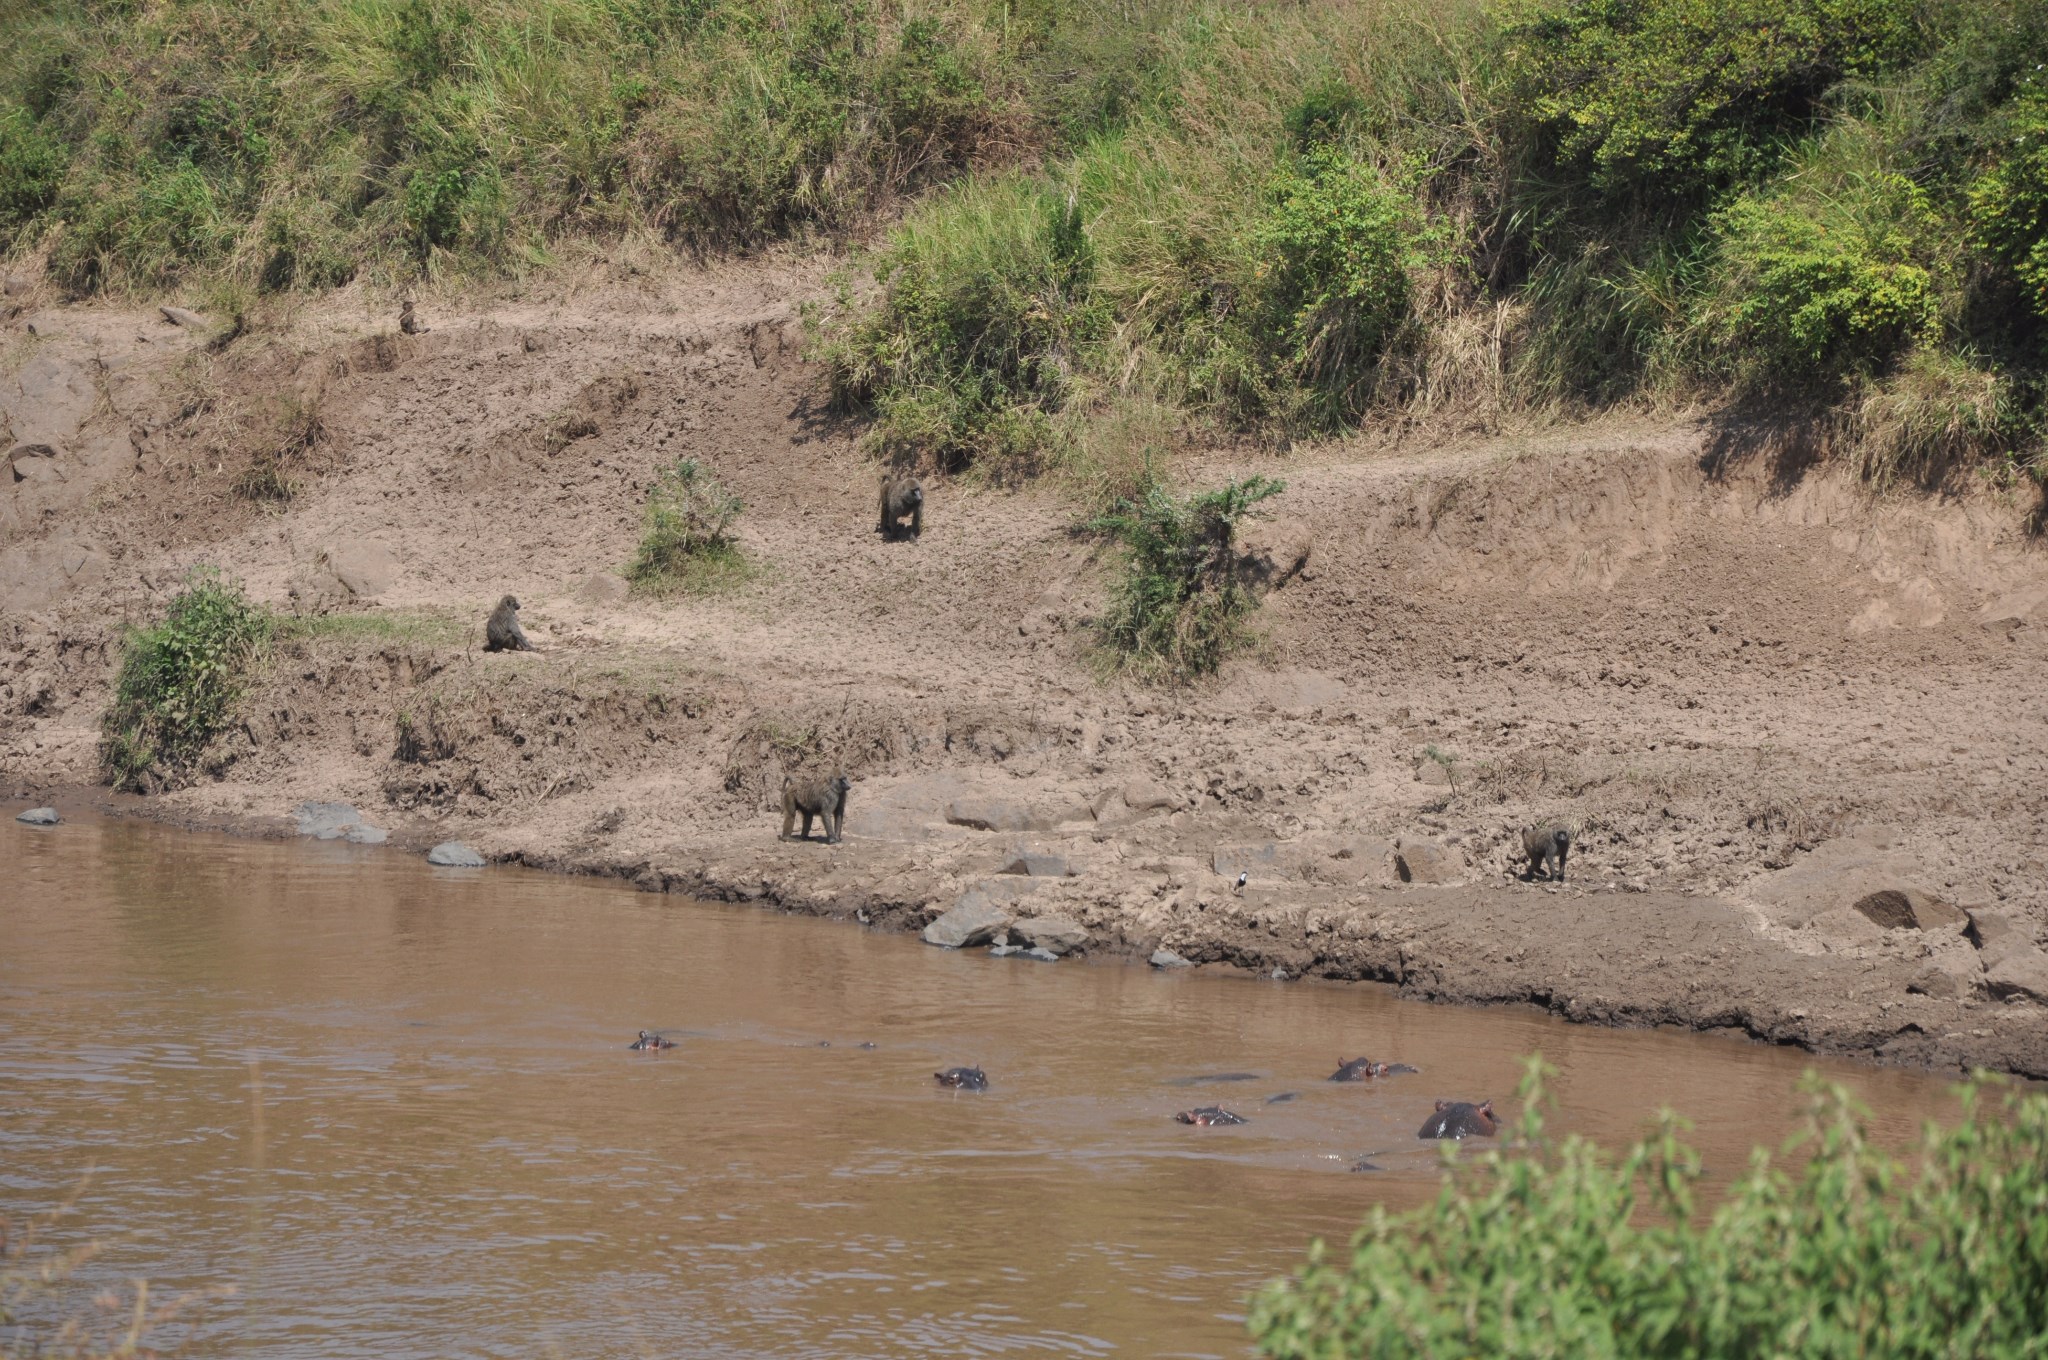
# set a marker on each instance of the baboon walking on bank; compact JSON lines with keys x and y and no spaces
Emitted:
{"x":901,"y":496}
{"x":503,"y":633}
{"x":1547,"y":847}
{"x":823,"y":797}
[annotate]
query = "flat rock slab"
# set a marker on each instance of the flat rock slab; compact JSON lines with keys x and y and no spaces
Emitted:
{"x":992,"y":814}
{"x":1034,"y":865}
{"x":1166,"y":958}
{"x":1004,"y":951}
{"x":455,"y":855}
{"x":1055,"y":935}
{"x":338,"y":821}
{"x":982,"y":913}
{"x":42,"y":816}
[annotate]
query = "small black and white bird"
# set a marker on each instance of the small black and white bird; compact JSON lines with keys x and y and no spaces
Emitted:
{"x":1242,"y":876}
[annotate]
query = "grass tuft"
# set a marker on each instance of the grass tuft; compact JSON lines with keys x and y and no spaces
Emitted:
{"x":687,"y":546}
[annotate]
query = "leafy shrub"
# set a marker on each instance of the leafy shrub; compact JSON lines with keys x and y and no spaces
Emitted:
{"x":1801,"y":294}
{"x":180,"y":681}
{"x":1179,"y":607}
{"x":31,"y":167}
{"x":2009,"y":204}
{"x":1837,"y":1250}
{"x":974,"y":344}
{"x":687,"y":544}
{"x":1338,"y":244}
{"x":1675,"y":98}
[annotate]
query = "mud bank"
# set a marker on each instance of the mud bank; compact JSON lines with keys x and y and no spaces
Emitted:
{"x":1795,"y":727}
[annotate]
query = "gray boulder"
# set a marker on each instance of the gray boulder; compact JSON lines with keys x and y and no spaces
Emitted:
{"x":1055,"y":935}
{"x":990,"y":814}
{"x":982,"y":913}
{"x":1166,"y":958}
{"x":42,"y":816}
{"x":455,"y":855}
{"x":338,"y":821}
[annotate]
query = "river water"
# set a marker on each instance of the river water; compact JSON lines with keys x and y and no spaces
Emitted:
{"x":394,"y":1107}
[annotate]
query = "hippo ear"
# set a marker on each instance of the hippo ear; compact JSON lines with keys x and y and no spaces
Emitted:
{"x":1487,"y":1109}
{"x":1442,"y":1105}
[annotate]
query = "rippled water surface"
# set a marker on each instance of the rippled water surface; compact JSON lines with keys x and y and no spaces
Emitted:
{"x":394,"y":1107}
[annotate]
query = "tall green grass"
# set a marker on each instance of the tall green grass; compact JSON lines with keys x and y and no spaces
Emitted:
{"x":289,"y":144}
{"x":1832,"y":1249}
{"x":1320,"y":214}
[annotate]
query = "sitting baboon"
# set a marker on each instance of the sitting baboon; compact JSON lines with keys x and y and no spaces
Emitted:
{"x":822,"y":796}
{"x":1546,"y":847}
{"x":901,"y":496}
{"x":503,"y":633}
{"x":409,"y":323}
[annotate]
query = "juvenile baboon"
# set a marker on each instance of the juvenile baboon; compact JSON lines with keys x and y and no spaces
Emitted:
{"x":901,"y":496}
{"x":823,"y":797}
{"x":1546,"y":847}
{"x":409,"y":323}
{"x":503,"y":633}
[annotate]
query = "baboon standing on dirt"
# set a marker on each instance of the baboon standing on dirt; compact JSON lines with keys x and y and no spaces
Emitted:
{"x":503,"y":633}
{"x":1547,"y":847}
{"x":901,"y":496}
{"x":823,"y":796}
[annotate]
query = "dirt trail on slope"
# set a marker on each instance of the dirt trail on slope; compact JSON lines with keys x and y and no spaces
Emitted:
{"x":1797,"y":729}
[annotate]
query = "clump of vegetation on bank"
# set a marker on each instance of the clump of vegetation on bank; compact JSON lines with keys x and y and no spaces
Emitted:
{"x":687,"y":543}
{"x":179,"y":682}
{"x":1317,"y":215}
{"x":288,"y":145}
{"x":1834,"y":1249}
{"x":1274,"y":219}
{"x":1179,"y":606}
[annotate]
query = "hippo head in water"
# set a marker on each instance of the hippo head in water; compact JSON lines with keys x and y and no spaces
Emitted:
{"x":1209,"y":1115}
{"x":649,"y":1040}
{"x":962,"y":1078}
{"x":1460,"y":1119}
{"x":1364,"y":1069}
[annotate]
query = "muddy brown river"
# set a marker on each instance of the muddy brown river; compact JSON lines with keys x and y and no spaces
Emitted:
{"x":394,"y":1107}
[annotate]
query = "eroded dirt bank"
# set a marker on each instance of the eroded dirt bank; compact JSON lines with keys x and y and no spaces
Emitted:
{"x":1782,"y":715}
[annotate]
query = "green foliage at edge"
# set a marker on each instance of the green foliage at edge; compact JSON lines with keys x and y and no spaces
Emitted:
{"x":1833,"y":1249}
{"x":179,"y":682}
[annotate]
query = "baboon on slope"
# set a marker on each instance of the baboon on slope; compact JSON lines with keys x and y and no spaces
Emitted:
{"x":503,"y":633}
{"x":1547,"y":847}
{"x":901,"y":496}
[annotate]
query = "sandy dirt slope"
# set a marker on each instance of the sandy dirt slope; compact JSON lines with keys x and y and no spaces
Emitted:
{"x":1798,"y":730}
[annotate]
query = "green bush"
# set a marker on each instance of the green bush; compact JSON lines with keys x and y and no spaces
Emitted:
{"x":1834,"y":1249}
{"x":687,"y":543}
{"x":986,"y":309}
{"x":2009,"y":204}
{"x":1178,"y":608}
{"x":1804,"y":291}
{"x":31,"y":167}
{"x":1336,"y":246}
{"x":1672,"y":99}
{"x":180,"y":681}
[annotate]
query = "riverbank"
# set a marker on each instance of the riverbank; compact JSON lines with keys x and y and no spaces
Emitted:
{"x":1779,"y":712}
